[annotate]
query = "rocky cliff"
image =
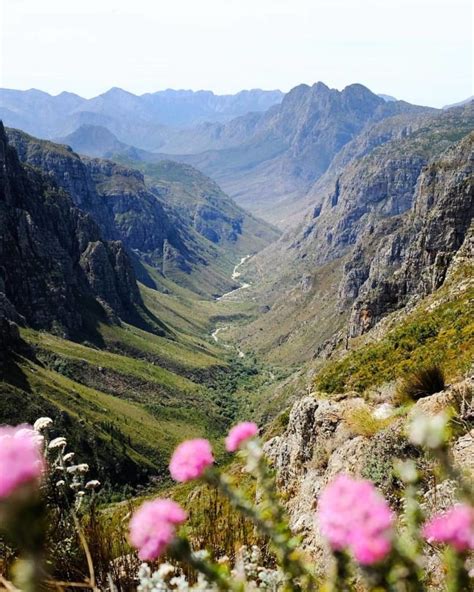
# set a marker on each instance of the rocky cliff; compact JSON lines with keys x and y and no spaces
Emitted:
{"x":270,"y":162}
{"x":374,"y":209}
{"x":413,"y":259}
{"x":57,"y":272}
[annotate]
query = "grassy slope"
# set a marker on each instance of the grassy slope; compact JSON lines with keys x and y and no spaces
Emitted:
{"x":126,"y":405}
{"x":439,"y":329}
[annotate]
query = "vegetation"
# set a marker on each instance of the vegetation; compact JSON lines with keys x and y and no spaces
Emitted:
{"x":370,"y":549}
{"x":438,"y":330}
{"x":423,"y":381}
{"x":361,"y":421}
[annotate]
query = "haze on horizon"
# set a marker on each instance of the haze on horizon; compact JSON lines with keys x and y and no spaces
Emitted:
{"x":416,"y":50}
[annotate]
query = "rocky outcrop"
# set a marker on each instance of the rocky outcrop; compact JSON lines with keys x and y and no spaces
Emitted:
{"x":46,"y":244}
{"x":316,"y":445}
{"x":322,"y":440}
{"x":413,"y":260}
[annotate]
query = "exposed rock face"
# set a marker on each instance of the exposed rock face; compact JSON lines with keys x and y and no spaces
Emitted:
{"x":45,"y":246}
{"x":413,"y":260}
{"x":316,"y":446}
{"x":320,"y":443}
{"x":115,"y":196}
{"x":395,"y":195}
{"x":286,"y":149}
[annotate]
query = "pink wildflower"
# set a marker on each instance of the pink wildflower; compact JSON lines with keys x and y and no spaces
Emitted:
{"x":353,"y":515}
{"x":153,"y":527}
{"x":21,"y":459}
{"x":239,"y":434}
{"x":190,"y":459}
{"x":455,"y":527}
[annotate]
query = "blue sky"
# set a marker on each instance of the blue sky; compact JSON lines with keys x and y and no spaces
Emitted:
{"x":418,"y":50}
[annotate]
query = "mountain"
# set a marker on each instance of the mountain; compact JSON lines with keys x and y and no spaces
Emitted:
{"x":177,"y":242}
{"x":125,"y":371}
{"x":348,"y":251}
{"x":413,"y":260}
{"x":93,"y":140}
{"x":58,"y":273}
{"x":460,"y":103}
{"x":266,"y":162}
{"x":145,"y":121}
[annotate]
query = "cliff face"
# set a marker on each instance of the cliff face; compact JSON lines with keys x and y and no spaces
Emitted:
{"x":270,"y":162}
{"x":115,"y":196}
{"x":385,"y":201}
{"x":48,"y":252}
{"x":413,"y":259}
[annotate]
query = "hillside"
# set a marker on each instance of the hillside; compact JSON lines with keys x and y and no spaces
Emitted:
{"x":124,"y":370}
{"x":174,"y":240}
{"x":268,"y":161}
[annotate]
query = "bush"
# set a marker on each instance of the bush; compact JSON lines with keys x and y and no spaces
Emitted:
{"x":421,"y":383}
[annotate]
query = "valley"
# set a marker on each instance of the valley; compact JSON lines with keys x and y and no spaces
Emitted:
{"x":166,"y":290}
{"x":308,"y":256}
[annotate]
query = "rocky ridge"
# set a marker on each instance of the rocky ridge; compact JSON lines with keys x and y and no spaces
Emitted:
{"x":407,"y":198}
{"x":57,"y":272}
{"x":145,"y":217}
{"x":413,"y":260}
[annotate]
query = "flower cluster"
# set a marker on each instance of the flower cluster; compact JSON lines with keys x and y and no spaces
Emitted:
{"x":190,"y":459}
{"x":240,"y":434}
{"x":454,"y":527}
{"x":353,"y":515}
{"x":153,"y":527}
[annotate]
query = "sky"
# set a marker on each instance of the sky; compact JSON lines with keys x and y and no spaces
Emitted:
{"x":417,"y":50}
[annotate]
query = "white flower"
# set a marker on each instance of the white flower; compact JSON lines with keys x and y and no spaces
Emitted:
{"x":429,"y":431}
{"x":407,"y":470}
{"x":81,"y":493}
{"x":81,"y":468}
{"x":57,"y":443}
{"x":165,"y":569}
{"x":42,"y":423}
{"x":68,"y":456}
{"x":93,"y":484}
{"x":60,"y":483}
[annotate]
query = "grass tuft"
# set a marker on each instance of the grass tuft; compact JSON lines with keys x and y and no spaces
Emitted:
{"x":422,"y":382}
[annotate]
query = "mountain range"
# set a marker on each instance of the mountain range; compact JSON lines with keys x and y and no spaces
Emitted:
{"x":140,"y":299}
{"x":145,"y":120}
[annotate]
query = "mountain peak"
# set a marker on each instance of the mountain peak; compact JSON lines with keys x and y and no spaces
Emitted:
{"x":116,"y":91}
{"x":357,"y":89}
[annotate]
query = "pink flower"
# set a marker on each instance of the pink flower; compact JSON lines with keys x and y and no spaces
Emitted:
{"x":153,"y":527}
{"x":455,"y":527}
{"x":21,"y":459}
{"x":353,"y":515}
{"x":190,"y":459}
{"x":239,"y":434}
